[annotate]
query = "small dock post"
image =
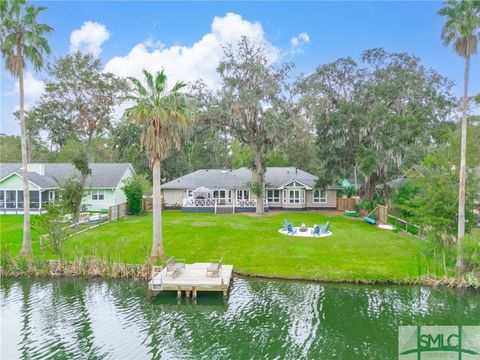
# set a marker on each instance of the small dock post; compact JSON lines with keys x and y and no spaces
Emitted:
{"x":194,"y":293}
{"x":179,"y":293}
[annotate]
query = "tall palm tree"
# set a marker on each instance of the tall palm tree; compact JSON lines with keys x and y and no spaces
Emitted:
{"x":23,"y":41}
{"x":165,"y":116}
{"x":462,"y":28}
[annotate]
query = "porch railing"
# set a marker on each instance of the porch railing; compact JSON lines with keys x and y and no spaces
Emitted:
{"x":18,"y":205}
{"x":221,"y":202}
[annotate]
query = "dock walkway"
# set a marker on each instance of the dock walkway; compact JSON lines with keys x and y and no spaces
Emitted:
{"x":192,"y":279}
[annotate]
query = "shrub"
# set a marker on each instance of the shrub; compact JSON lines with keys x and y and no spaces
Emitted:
{"x":471,"y":250}
{"x":71,"y":194}
{"x":134,"y":193}
{"x":51,"y":226}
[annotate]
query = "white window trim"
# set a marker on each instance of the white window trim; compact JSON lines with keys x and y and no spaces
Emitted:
{"x":97,"y":193}
{"x":294,"y":199}
{"x":218,"y":197}
{"x":273,"y":198}
{"x":318,"y":199}
{"x":242,"y":194}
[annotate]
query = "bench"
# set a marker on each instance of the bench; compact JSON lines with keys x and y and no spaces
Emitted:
{"x":175,"y":266}
{"x":214,"y":267}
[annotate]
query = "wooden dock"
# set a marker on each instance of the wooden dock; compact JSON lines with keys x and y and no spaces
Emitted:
{"x":192,"y":279}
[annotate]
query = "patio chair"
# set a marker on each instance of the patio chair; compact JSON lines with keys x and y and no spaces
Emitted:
{"x":291,"y":230}
{"x":214,"y":267}
{"x":316,"y":230}
{"x":285,"y":225}
{"x":324,"y":228}
{"x":175,"y":266}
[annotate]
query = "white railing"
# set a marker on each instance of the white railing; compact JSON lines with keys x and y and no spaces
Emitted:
{"x":204,"y":202}
{"x":221,"y":202}
{"x":246,"y":203}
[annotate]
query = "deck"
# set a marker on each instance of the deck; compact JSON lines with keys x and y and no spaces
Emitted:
{"x":191,"y":280}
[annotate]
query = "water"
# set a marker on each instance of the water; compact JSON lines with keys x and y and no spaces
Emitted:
{"x":262,"y":319}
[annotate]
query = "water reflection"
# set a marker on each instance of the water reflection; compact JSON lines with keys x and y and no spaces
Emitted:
{"x":75,"y":318}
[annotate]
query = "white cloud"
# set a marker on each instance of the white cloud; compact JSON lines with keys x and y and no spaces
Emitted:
{"x":89,"y":38}
{"x":300,"y":39}
{"x":190,"y":63}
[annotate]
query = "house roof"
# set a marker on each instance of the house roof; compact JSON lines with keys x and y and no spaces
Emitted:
{"x":275,"y":177}
{"x":106,"y":175}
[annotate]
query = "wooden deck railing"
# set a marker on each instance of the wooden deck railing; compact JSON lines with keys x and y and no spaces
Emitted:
{"x":221,"y":202}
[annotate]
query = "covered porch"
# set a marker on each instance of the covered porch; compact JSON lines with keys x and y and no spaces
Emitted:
{"x":220,"y":201}
{"x":11,"y":201}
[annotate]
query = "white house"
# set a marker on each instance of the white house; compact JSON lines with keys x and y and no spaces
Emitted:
{"x":103,"y":186}
{"x":216,"y":190}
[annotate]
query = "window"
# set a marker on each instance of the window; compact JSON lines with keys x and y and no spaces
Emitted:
{"x":20,"y":199}
{"x":294,"y":196}
{"x":219,"y":194}
{"x":319,"y":196}
{"x":11,"y":199}
{"x":243,"y":194}
{"x":98,"y":195}
{"x":34,"y":199}
{"x":2,"y":199}
{"x":273,"y":196}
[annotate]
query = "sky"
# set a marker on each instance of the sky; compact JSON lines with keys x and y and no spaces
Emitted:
{"x":185,"y":38}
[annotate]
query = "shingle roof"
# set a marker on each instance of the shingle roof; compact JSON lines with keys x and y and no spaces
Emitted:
{"x":106,"y":175}
{"x":241,"y":178}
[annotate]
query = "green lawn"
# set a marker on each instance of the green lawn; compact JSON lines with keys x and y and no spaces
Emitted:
{"x":356,"y":251}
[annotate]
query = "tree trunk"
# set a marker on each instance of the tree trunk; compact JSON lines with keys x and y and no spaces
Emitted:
{"x":460,"y":266}
{"x":90,"y":148}
{"x":27,"y":241}
{"x":225,"y":150}
{"x":76,"y":216}
{"x":158,"y":252}
{"x":259,"y":178}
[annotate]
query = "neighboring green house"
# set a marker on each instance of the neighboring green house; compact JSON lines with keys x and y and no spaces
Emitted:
{"x":346,"y":183}
{"x":103,"y":186}
{"x":412,"y":173}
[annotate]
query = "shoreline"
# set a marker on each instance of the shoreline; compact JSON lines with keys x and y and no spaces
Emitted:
{"x":93,"y":268}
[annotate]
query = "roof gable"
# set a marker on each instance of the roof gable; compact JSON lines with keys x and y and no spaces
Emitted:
{"x":104,"y":175}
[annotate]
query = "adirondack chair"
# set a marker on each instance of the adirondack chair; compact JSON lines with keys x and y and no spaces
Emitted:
{"x":175,"y":266}
{"x":316,"y":230}
{"x":214,"y":267}
{"x":324,"y":228}
{"x":291,"y":230}
{"x":285,"y":225}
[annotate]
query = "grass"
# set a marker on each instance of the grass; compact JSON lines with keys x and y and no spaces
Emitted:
{"x":356,"y":251}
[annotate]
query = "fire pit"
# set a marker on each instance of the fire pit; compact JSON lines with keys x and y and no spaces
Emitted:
{"x":303,"y":228}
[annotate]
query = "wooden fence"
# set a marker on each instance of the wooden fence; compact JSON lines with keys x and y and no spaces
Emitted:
{"x":116,"y":212}
{"x":382,"y":213}
{"x":345,"y":203}
{"x":147,"y":204}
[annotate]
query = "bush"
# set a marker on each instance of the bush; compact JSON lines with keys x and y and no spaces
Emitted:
{"x":71,"y":194}
{"x":348,"y":191}
{"x":50,"y":225}
{"x":471,"y":250}
{"x":134,"y":193}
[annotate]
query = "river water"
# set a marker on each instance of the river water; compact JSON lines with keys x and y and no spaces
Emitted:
{"x":262,"y":319}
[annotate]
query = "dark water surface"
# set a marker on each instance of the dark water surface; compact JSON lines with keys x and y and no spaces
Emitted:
{"x":262,"y":319}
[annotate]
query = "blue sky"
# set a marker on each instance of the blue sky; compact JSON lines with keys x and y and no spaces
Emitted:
{"x":185,"y":37}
